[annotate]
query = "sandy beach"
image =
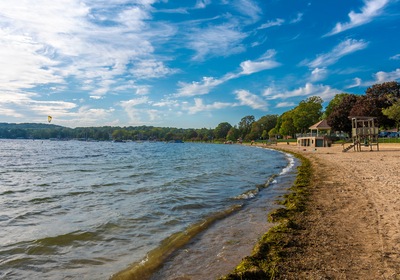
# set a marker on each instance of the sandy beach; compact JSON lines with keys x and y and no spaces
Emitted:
{"x":351,"y":229}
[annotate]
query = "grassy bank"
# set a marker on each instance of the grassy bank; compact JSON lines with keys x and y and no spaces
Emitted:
{"x":265,"y":262}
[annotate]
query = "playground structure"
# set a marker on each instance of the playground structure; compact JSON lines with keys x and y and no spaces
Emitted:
{"x":364,"y":133}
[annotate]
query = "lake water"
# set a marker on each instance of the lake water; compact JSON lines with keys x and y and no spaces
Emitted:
{"x":87,"y":210}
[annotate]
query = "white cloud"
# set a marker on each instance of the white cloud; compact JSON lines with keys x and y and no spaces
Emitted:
{"x":201,"y":4}
{"x":263,"y":63}
{"x":134,"y":102}
{"x":395,"y":57}
{"x":47,"y":42}
{"x":298,"y":18}
{"x":218,"y":40}
{"x":248,"y":8}
{"x":96,"y":97}
{"x":146,"y":69}
{"x":318,"y":74}
{"x":381,"y":77}
{"x":309,"y":89}
{"x":285,"y":104}
{"x":130,"y":106}
{"x":370,"y":10}
{"x":248,"y":67}
{"x":86,"y":116}
{"x":248,"y":99}
{"x":199,"y":106}
{"x":166,"y":103}
{"x":134,"y":18}
{"x":197,"y":88}
{"x":269,"y":24}
{"x":344,"y":48}
{"x":22,"y":106}
{"x":357,"y":82}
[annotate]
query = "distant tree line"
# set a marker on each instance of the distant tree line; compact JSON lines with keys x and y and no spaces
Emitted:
{"x":381,"y":101}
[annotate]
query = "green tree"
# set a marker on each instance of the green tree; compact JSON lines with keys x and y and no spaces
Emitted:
{"x":393,"y":113}
{"x":233,"y":134}
{"x":255,"y":132}
{"x":287,"y":127}
{"x":267,"y":123}
{"x":118,"y":134}
{"x":307,"y":113}
{"x":273,"y":132}
{"x":221,"y":131}
{"x":245,"y":125}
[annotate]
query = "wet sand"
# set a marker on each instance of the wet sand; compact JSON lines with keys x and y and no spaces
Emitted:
{"x":352,"y":227}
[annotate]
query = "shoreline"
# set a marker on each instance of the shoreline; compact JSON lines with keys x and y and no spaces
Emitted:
{"x":351,"y":226}
{"x":215,"y":250}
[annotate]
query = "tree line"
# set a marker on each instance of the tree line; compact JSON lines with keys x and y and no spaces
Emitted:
{"x":381,"y":101}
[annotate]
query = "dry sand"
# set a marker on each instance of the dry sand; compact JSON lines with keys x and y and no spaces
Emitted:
{"x":352,"y":226}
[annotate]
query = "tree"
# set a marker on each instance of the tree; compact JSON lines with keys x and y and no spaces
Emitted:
{"x":267,"y":123}
{"x":245,"y":125}
{"x":118,"y":134}
{"x":388,"y":92}
{"x":233,"y":134}
{"x":333,"y":104}
{"x":273,"y":132}
{"x":307,"y":113}
{"x":255,"y":132}
{"x":340,"y":109}
{"x":221,"y":131}
{"x":393,"y":113}
{"x":287,"y":124}
{"x":377,"y":98}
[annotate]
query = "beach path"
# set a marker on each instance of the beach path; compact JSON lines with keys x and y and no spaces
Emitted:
{"x":352,"y":225}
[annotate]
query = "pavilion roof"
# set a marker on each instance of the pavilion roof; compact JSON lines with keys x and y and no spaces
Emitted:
{"x":320,"y":126}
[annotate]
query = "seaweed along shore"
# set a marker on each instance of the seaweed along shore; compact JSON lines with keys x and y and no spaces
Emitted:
{"x":268,"y":255}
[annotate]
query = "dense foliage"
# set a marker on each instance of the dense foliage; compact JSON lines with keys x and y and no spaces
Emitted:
{"x":381,"y":101}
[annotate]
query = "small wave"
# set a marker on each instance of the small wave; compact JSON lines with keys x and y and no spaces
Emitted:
{"x":254,"y":192}
{"x":13,"y":192}
{"x":290,"y":165}
{"x":28,"y":216}
{"x":189,"y":206}
{"x":7,"y":192}
{"x":84,"y":262}
{"x":73,"y":238}
{"x":155,"y":258}
{"x":41,"y":200}
{"x":247,"y":195}
{"x":77,"y":193}
{"x":4,"y":218}
{"x":106,"y":185}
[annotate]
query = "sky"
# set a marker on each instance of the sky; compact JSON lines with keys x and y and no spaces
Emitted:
{"x":188,"y":63}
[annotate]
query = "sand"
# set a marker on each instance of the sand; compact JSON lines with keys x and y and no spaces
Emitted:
{"x":352,"y":227}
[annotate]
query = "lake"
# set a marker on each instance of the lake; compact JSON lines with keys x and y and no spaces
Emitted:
{"x":87,"y":210}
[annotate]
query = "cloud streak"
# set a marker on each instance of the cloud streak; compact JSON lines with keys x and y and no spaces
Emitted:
{"x":248,"y":67}
{"x":246,"y":98}
{"x":309,"y":89}
{"x":346,"y":47}
{"x":370,"y":10}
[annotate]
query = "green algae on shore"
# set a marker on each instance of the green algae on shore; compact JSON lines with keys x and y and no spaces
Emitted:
{"x":268,"y":253}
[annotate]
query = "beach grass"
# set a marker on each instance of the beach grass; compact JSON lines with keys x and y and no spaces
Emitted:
{"x":269,"y":252}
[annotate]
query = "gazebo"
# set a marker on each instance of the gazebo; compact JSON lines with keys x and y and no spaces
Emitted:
{"x":317,"y":136}
{"x":320,"y":126}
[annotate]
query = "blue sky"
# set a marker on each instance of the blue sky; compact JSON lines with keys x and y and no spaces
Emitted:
{"x":188,"y":63}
